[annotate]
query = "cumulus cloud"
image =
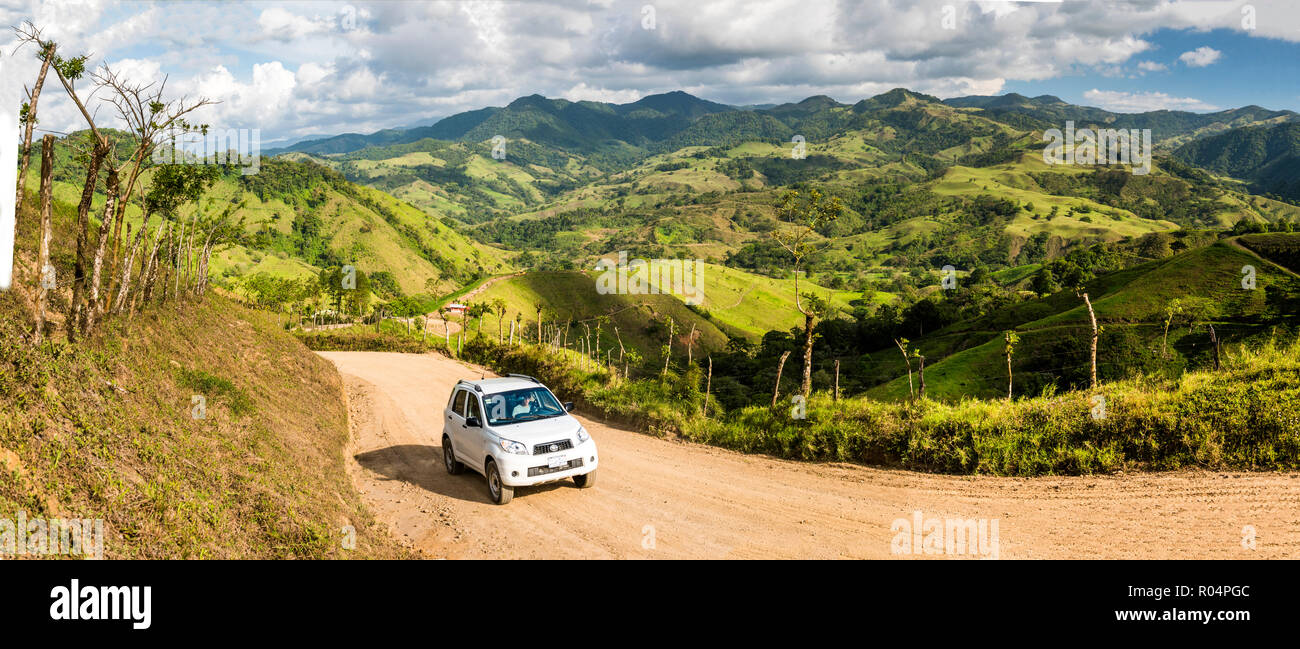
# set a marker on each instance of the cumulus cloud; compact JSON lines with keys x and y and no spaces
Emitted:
{"x":297,"y":68}
{"x":1200,"y":57}
{"x":1138,"y":102}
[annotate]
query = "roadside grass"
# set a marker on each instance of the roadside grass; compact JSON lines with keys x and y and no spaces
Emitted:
{"x":108,"y":429}
{"x":1244,"y":417}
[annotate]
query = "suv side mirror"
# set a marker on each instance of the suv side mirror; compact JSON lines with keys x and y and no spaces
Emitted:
{"x":473,"y":422}
{"x":568,"y":406}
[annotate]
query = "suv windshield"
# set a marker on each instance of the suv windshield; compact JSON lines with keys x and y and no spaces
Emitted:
{"x":521,"y":405}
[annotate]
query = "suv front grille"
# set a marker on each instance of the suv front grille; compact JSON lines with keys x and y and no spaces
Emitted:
{"x":552,"y":447}
{"x":543,"y":470}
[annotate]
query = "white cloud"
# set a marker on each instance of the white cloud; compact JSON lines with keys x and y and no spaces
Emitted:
{"x":583,"y":92}
{"x":1139,"y":102}
{"x":1200,"y":57}
{"x":351,"y":65}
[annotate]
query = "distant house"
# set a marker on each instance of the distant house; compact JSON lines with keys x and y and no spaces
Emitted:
{"x":457,"y":308}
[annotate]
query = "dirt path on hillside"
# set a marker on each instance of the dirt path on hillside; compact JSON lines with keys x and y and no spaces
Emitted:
{"x":664,"y":499}
{"x":1236,"y":243}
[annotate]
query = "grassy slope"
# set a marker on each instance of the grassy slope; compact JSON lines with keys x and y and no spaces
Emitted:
{"x":573,"y":294}
{"x":104,"y":429}
{"x":753,"y":305}
{"x":360,"y":235}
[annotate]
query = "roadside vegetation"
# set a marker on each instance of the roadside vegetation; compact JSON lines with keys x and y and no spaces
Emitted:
{"x":1246,"y":416}
{"x":203,"y":431}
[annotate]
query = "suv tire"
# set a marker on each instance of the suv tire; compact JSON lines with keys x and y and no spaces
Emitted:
{"x":498,"y":491}
{"x":454,"y":466}
{"x":585,"y":481}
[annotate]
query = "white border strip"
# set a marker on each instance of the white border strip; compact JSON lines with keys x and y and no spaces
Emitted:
{"x":10,"y":100}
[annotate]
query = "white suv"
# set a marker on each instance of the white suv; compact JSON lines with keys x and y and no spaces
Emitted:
{"x":527,"y":437}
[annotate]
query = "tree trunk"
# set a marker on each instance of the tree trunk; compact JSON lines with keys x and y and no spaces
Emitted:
{"x":77,"y":315}
{"x":1215,"y":339}
{"x":908,"y":361}
{"x":708,"y":386}
{"x":776,"y":390}
{"x":922,"y":393}
{"x":124,"y":285}
{"x":836,"y":396}
{"x":1008,"y":377}
{"x":176,"y":266}
{"x":47,"y":198}
{"x":806,"y":389}
{"x":122,"y":202}
{"x":94,"y":307}
{"x":149,"y":275}
{"x":1093,"y":317}
{"x":27,"y":131}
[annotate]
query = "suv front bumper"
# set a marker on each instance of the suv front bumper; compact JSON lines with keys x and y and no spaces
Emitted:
{"x":525,"y":470}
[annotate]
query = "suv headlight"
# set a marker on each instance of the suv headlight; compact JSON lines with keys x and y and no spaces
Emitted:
{"x":510,"y":446}
{"x":582,"y":435}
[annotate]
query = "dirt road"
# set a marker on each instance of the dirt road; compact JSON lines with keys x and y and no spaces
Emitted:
{"x":665,"y":499}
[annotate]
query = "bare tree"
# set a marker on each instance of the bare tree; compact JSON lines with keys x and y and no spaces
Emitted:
{"x":1093,"y":354}
{"x":836,"y":394}
{"x":69,"y":71}
{"x":776,"y":389}
{"x":1172,"y":310}
{"x":668,"y":346}
{"x":28,"y":33}
{"x":921,"y":358}
{"x":708,"y":386}
{"x":902,"y":347}
{"x":688,"y":341}
{"x":1011,"y":339}
{"x":150,"y":121}
{"x":807,"y":215}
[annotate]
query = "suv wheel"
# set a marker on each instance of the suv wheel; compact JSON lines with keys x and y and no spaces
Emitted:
{"x":449,"y":460}
{"x":500,"y":492}
{"x":585,"y":480}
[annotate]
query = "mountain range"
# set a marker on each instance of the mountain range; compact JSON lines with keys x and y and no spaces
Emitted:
{"x":658,"y":122}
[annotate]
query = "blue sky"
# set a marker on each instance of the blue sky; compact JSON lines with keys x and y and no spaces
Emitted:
{"x":1248,"y":70}
{"x":295,"y":69}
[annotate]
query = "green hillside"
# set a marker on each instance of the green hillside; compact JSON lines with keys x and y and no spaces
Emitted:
{"x":1268,"y":157}
{"x":571,"y":297}
{"x":300,"y":217}
{"x":1130,"y":306}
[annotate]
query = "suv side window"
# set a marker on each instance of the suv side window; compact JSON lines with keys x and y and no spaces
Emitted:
{"x":472,"y":408}
{"x":458,"y":402}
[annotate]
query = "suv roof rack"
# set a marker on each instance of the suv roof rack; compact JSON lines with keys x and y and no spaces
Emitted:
{"x":477,"y":388}
{"x":524,"y":376}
